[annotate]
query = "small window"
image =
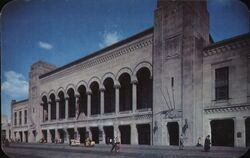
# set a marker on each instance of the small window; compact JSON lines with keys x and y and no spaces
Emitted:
{"x":15,"y":118}
{"x":25,"y":117}
{"x":221,"y":83}
{"x":20,"y":117}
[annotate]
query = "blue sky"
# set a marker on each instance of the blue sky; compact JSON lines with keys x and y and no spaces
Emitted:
{"x":60,"y":31}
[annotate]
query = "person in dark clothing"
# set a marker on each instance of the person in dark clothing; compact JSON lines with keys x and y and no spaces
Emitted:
{"x":207,"y":143}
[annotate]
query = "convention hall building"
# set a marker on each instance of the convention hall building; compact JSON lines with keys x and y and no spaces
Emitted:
{"x":151,"y":88}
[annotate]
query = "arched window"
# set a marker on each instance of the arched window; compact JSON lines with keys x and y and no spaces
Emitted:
{"x":125,"y":92}
{"x":82,"y":99}
{"x":144,"y":89}
{"x":71,"y":103}
{"x":95,"y":98}
{"x":61,"y":105}
{"x":53,"y":107}
{"x":109,"y":96}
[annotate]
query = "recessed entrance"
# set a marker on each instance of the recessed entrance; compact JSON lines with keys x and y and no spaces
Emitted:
{"x":62,"y":134}
{"x":26,"y":136}
{"x":44,"y":132}
{"x":82,"y":133}
{"x":125,"y":134}
{"x":143,"y":134}
{"x":52,"y":133}
{"x":247,"y":123}
{"x":95,"y":134}
{"x":222,"y":132}
{"x":109,"y":133}
{"x":173,"y":131}
{"x":70,"y":133}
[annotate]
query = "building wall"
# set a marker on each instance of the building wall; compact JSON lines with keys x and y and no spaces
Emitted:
{"x":234,"y":55}
{"x":16,"y":107}
{"x":182,"y":66}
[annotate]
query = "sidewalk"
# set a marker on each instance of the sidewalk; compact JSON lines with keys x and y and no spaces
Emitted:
{"x":169,"y":151}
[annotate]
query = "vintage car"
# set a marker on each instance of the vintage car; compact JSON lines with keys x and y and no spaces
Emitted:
{"x":74,"y":142}
{"x":89,"y":143}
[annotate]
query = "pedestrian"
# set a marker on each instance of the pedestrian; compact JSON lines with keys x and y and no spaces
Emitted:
{"x":181,"y":145}
{"x":207,"y":143}
{"x":115,"y":144}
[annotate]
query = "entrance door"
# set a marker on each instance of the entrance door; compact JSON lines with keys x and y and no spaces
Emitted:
{"x":70,"y":133}
{"x":143,"y":134}
{"x":125,"y":134}
{"x":173,"y":131}
{"x":26,"y":136}
{"x":52,"y":132}
{"x":45,"y":135}
{"x":62,"y":134}
{"x":95,"y":134}
{"x":247,"y":123}
{"x":222,"y":132}
{"x":82,"y":133}
{"x":109,"y":133}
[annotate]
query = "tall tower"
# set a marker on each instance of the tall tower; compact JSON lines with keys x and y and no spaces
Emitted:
{"x":180,"y":34}
{"x":35,"y":110}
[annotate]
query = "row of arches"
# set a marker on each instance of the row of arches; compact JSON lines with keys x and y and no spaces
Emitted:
{"x":101,"y":95}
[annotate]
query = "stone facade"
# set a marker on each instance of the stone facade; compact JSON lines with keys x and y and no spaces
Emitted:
{"x":147,"y":89}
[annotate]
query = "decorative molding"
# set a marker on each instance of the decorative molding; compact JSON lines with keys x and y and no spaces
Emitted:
{"x":222,"y":48}
{"x":130,"y":117}
{"x":100,"y":59}
{"x":225,"y":109}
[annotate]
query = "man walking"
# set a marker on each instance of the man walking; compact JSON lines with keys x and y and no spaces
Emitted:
{"x":207,"y":143}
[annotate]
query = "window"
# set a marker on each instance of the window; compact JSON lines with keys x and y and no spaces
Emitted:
{"x":15,"y":115}
{"x":25,"y":116}
{"x":20,"y":117}
{"x":221,"y":83}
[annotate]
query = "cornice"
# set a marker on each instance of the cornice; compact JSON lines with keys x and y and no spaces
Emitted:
{"x":225,"y":109}
{"x":101,"y":59}
{"x":223,"y":48}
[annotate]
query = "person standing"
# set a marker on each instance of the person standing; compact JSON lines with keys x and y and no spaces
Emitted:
{"x":181,"y":145}
{"x":113,"y":145}
{"x":207,"y":143}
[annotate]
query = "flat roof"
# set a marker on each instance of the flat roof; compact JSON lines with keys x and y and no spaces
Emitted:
{"x":101,"y":51}
{"x":229,"y":40}
{"x":21,"y":101}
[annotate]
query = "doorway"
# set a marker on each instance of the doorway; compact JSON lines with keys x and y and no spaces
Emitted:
{"x":95,"y":134}
{"x":109,"y":133}
{"x":143,"y":134}
{"x":222,"y":132}
{"x":173,"y":131}
{"x":247,"y":124}
{"x":125,"y":134}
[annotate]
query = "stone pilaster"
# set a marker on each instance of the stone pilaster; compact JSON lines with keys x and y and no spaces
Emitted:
{"x":57,"y":136}
{"x":48,"y":136}
{"x":57,"y":109}
{"x":102,"y":89}
{"x":239,"y":132}
{"x":134,"y":134}
{"x":89,"y":132}
{"x":134,"y":93}
{"x":66,"y":108}
{"x":117,"y":87}
{"x":89,"y":103}
{"x":77,"y":104}
{"x":101,"y":130}
{"x":49,"y":111}
{"x":66,"y":137}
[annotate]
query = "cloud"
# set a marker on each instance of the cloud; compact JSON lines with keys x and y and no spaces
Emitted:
{"x":15,"y":85}
{"x":109,"y":38}
{"x":45,"y":45}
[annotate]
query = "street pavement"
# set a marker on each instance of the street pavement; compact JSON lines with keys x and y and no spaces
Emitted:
{"x":33,"y":150}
